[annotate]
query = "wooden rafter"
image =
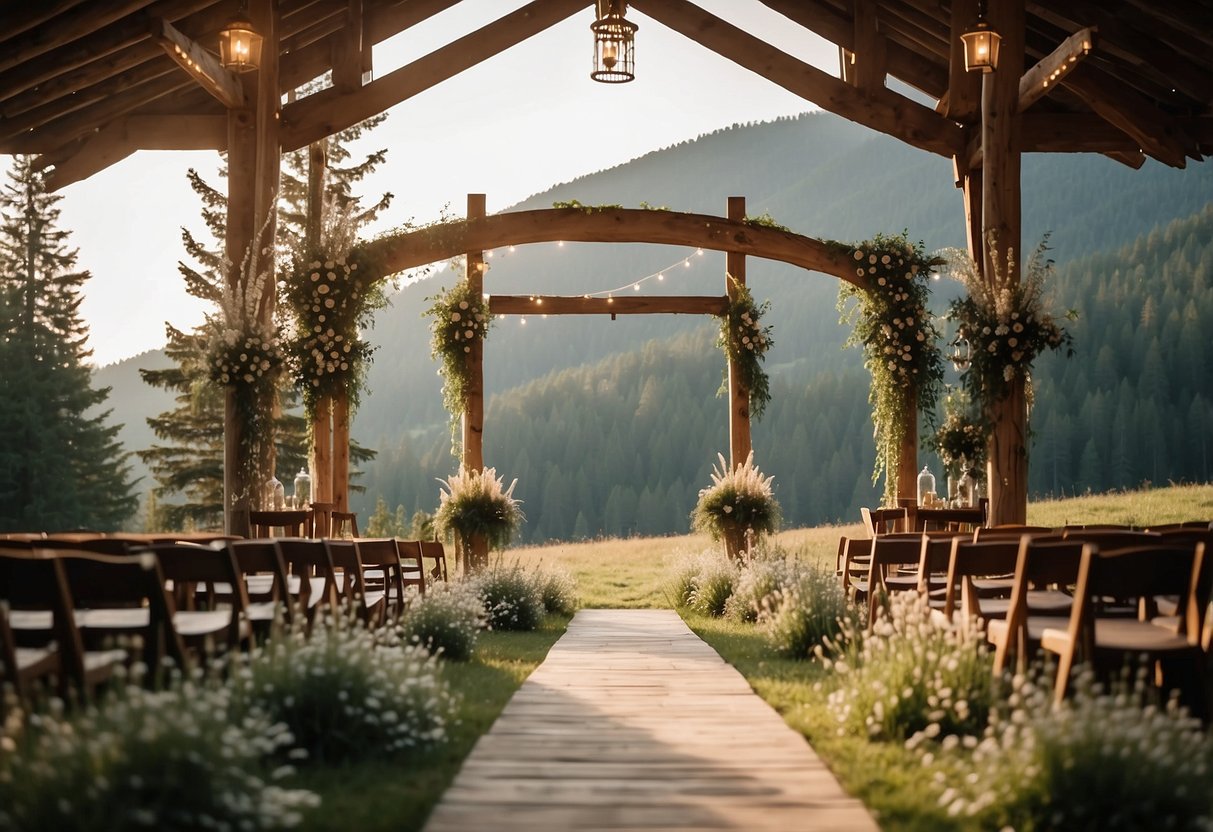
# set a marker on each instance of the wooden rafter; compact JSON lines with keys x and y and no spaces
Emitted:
{"x":579,"y":305}
{"x":331,"y":110}
{"x":869,"y":53}
{"x":880,"y":109}
{"x":964,"y":87}
{"x":611,"y":225}
{"x":72,"y":24}
{"x":1038,"y":81}
{"x":348,"y":55}
{"x":201,"y":65}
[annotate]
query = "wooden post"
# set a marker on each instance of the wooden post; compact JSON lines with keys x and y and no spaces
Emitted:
{"x":1001,"y":226}
{"x":341,"y":451}
{"x":907,"y":458}
{"x":473,"y":405}
{"x":739,"y":393}
{"x":322,"y":451}
{"x":241,"y":165}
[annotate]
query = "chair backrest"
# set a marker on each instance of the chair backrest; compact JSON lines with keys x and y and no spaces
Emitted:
{"x":30,"y":580}
{"x":98,"y":544}
{"x":935,"y":554}
{"x":307,"y":559}
{"x":188,"y":564}
{"x":321,"y":523}
{"x":1111,"y":539}
{"x":292,"y":523}
{"x":344,"y":524}
{"x":97,"y":581}
{"x":1010,"y":530}
{"x":969,"y":560}
{"x":854,"y":552}
{"x":382,"y":553}
{"x":345,"y":559}
{"x":412,"y":564}
{"x":881,"y":521}
{"x":1143,"y":572}
{"x":435,"y":551}
{"x":1205,"y":525}
{"x":261,"y":557}
{"x":889,"y":551}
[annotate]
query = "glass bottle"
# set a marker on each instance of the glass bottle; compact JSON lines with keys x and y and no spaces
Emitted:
{"x":926,"y":484}
{"x":274,"y":496}
{"x":303,"y":488}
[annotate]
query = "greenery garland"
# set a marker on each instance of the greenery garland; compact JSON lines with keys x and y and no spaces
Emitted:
{"x":460,"y":317}
{"x":745,"y":341}
{"x":331,"y":294}
{"x":891,"y":322}
{"x":962,"y":438}
{"x":1005,"y":323}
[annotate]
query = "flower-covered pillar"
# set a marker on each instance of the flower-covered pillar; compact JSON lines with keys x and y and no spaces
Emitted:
{"x":739,"y":390}
{"x":254,"y":157}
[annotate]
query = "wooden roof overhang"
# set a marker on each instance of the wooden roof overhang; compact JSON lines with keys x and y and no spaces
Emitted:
{"x":85,"y":83}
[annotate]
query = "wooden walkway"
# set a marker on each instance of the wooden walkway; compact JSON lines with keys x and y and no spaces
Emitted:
{"x":633,"y":722}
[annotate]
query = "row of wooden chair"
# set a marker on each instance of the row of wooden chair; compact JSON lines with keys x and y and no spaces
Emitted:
{"x":63,"y":609}
{"x":1063,"y":592}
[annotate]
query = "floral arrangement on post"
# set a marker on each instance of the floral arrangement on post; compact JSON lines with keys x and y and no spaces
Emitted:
{"x":745,"y":341}
{"x":891,"y":322}
{"x":961,"y":439}
{"x":477,"y":504}
{"x":244,"y":355}
{"x":332,"y":293}
{"x":1005,"y":323}
{"x":737,"y":507}
{"x":460,"y":318}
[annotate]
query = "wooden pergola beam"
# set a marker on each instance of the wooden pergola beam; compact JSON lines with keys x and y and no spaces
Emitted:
{"x":201,"y":65}
{"x":611,"y":225}
{"x":72,"y":24}
{"x":622,"y":305}
{"x":122,"y":137}
{"x":331,"y":110}
{"x":1041,"y":79}
{"x":879,"y":109}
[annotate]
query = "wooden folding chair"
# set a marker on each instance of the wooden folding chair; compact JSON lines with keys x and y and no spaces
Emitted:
{"x":881,"y":521}
{"x":189,"y":566}
{"x":980,"y":578}
{"x":1105,"y":642}
{"x":412,"y":564}
{"x":344,"y":524}
{"x":383,"y":571}
{"x":368,"y":603}
{"x":289,"y":523}
{"x":889,"y":554}
{"x":856,"y":558}
{"x":435,"y":551}
{"x":119,"y":596}
{"x":266,"y":583}
{"x":310,"y":562}
{"x":1110,"y":539}
{"x":1042,"y":567}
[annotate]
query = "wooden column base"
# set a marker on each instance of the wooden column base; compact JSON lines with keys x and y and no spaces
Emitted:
{"x":1008,"y":465}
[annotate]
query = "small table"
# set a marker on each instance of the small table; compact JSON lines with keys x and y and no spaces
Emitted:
{"x":944,"y":518}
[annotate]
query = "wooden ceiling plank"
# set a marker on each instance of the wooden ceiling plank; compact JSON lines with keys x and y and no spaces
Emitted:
{"x":46,"y":70}
{"x":903,"y":64}
{"x":330,"y":111}
{"x":915,"y":27}
{"x":21,"y":20}
{"x":881,"y":109}
{"x":200,"y":64}
{"x":1042,"y":78}
{"x":74,"y":24}
{"x":1156,"y":133}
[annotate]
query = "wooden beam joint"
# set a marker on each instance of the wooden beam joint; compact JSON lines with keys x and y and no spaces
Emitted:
{"x":202,"y":66}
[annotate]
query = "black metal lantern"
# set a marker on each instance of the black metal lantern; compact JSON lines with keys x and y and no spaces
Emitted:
{"x":614,"y":41}
{"x":981,"y":47}
{"x":240,"y":44}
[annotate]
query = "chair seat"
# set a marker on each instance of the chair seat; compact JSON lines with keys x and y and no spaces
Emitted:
{"x":996,"y":629}
{"x":1042,"y":600}
{"x":36,"y":661}
{"x":1123,"y":635}
{"x":993,"y":587}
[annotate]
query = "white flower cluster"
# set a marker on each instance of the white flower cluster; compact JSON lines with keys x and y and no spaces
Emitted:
{"x":447,"y":620}
{"x":903,"y":333}
{"x":335,"y":289}
{"x":512,"y":598}
{"x":467,"y":324}
{"x":244,"y":347}
{"x":750,"y":335}
{"x":245,"y":357}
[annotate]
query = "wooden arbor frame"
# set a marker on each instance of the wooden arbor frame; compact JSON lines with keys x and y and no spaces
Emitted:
{"x":732,"y":234}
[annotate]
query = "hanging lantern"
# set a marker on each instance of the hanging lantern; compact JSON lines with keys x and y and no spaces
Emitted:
{"x":614,"y":39}
{"x":981,"y":47}
{"x":240,"y":45}
{"x":962,"y":354}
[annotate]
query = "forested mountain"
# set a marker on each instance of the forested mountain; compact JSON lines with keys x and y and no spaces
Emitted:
{"x":560,"y":389}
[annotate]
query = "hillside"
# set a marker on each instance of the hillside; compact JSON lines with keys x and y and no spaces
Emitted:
{"x":818,"y":175}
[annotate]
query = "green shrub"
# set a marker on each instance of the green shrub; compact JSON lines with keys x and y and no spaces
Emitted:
{"x":760,"y":581}
{"x":685,"y":572}
{"x":347,"y":693}
{"x":446,"y":621}
{"x":1102,"y":760}
{"x":512,"y":599}
{"x":910,"y":677}
{"x":713,"y":586}
{"x":811,"y":614}
{"x":558,"y":589}
{"x":177,"y":758}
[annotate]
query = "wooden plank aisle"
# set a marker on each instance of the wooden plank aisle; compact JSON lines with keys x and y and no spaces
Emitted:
{"x":633,"y":722}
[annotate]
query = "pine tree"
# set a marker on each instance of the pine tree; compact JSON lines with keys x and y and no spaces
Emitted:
{"x":61,"y":465}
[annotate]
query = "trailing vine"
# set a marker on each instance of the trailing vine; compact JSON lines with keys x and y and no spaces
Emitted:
{"x":892,"y":324}
{"x":460,"y":317}
{"x":745,"y":341}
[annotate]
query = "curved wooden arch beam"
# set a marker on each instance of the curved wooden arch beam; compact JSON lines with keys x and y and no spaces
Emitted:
{"x":611,"y":225}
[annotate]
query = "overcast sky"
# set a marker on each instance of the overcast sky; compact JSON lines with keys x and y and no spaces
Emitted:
{"x":510,"y":127}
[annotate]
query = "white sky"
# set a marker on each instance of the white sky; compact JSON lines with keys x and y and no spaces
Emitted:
{"x":510,"y":127}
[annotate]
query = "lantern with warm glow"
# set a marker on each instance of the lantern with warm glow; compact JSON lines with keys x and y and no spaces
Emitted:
{"x":240,"y":45}
{"x":981,"y":48}
{"x":614,"y":39}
